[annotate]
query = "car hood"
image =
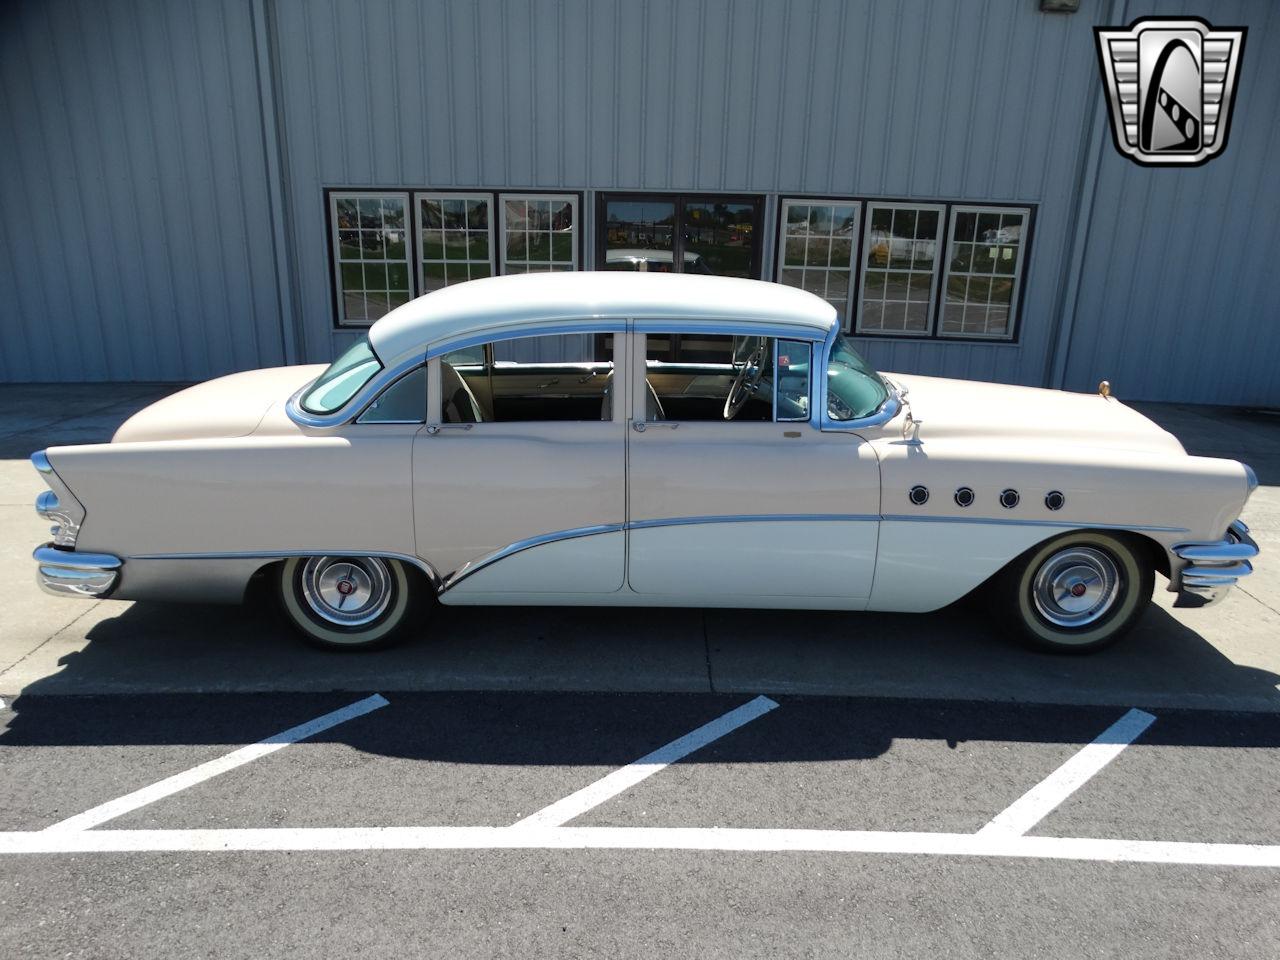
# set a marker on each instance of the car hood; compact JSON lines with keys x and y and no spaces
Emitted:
{"x":230,"y":406}
{"x":976,"y":410}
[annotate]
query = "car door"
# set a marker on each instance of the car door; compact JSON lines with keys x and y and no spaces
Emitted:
{"x":523,"y":499}
{"x":762,"y":509}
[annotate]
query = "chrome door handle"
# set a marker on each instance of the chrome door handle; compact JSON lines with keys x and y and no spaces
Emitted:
{"x":640,"y":426}
{"x":435,"y":428}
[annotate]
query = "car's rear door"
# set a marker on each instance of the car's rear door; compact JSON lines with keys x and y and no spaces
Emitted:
{"x":524,"y":497}
{"x":754,"y":511}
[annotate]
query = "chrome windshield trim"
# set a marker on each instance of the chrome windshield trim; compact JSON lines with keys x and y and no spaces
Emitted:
{"x":1056,"y":524}
{"x":472,"y":567}
{"x":888,"y":409}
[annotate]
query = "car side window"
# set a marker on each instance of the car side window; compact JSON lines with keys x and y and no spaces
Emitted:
{"x":542,"y":378}
{"x":721,"y":377}
{"x":405,"y":401}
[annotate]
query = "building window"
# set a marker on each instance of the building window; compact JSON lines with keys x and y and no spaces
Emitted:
{"x":539,"y":233}
{"x":370,"y":254}
{"x":984,"y":271}
{"x":899,"y":273}
{"x":454,"y":240}
{"x":816,"y":250}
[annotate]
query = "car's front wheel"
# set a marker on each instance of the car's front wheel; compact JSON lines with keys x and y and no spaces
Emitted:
{"x":1075,"y":593}
{"x":346,"y":603}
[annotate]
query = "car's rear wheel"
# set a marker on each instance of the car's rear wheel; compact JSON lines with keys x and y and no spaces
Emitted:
{"x":1075,"y":593}
{"x":346,"y":603}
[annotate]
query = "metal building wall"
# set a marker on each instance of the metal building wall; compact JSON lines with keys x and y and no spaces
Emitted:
{"x":135,"y":234}
{"x":1179,"y":281}
{"x":962,"y":100}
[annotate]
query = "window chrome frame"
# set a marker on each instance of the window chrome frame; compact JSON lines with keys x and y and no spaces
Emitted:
{"x":360,"y":417}
{"x":737,"y":327}
{"x":889,"y":408}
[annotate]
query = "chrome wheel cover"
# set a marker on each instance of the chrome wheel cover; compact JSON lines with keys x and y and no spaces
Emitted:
{"x":1076,"y":586}
{"x":346,"y":591}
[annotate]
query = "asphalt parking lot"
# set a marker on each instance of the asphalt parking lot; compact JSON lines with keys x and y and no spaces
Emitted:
{"x":188,"y":780}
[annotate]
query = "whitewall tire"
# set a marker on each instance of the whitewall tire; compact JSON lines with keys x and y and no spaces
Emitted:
{"x":346,"y":603}
{"x":1075,"y":593}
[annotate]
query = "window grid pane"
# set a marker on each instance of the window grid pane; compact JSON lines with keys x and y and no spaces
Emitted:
{"x":371,"y":258}
{"x":539,"y":233}
{"x":984,"y":266}
{"x":455,"y":243}
{"x":817,"y":248}
{"x":900,"y":266}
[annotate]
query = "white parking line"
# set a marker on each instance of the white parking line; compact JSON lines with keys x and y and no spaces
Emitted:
{"x":237,"y":758}
{"x":576,"y":804}
{"x":1042,"y":799}
{"x":644,"y":838}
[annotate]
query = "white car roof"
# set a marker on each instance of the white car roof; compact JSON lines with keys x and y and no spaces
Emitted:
{"x":503,"y":304}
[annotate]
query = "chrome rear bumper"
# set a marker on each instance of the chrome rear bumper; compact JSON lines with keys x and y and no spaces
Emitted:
{"x":1213,"y":568}
{"x":66,"y":573}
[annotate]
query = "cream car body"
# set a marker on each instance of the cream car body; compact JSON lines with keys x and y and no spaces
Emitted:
{"x":200,"y":491}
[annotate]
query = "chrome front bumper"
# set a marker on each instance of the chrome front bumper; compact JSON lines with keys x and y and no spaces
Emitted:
{"x":1213,"y":568}
{"x":65,"y":573}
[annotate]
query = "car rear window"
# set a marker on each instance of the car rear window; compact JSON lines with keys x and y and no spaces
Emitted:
{"x":343,"y":379}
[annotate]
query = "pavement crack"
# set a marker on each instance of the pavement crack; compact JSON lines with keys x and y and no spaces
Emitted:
{"x":41,"y":645}
{"x":1258,"y":599}
{"x":706,"y":653}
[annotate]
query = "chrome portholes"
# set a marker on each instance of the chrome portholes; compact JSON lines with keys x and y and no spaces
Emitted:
{"x":919,"y":495}
{"x":346,"y":591}
{"x":964,"y":497}
{"x":1009,"y":498}
{"x":1076,"y":586}
{"x":1054,"y":500}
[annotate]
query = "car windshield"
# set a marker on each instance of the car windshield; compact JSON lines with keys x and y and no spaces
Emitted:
{"x":854,"y":389}
{"x":343,"y":379}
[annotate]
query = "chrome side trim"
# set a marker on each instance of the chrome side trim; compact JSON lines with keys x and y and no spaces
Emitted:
{"x":731,"y":326}
{"x":472,"y":567}
{"x":1060,"y":524}
{"x":1214,"y":567}
{"x":65,"y":573}
{"x":750,"y":518}
{"x":62,"y":507}
{"x":426,"y":568}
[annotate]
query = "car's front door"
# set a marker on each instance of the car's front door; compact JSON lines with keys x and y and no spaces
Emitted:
{"x":735,"y":498}
{"x":519,"y":472}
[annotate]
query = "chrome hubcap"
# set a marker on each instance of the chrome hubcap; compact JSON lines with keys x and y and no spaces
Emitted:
{"x":1076,"y":586}
{"x":346,"y":591}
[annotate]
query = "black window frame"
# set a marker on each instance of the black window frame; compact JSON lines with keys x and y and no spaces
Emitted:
{"x":680,"y":198}
{"x":413,"y":228}
{"x":933,"y":336}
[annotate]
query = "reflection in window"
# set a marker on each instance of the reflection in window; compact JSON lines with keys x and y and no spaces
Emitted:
{"x":539,"y":233}
{"x":816,"y":250}
{"x":719,"y":238}
{"x":639,"y":235}
{"x":454,"y":239}
{"x":899,"y":269}
{"x":984,"y":269}
{"x":371,"y":256}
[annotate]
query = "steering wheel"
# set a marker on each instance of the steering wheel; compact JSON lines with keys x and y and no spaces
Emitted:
{"x":748,"y":378}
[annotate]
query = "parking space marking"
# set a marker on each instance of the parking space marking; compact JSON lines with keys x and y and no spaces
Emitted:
{"x":729,"y":839}
{"x":237,"y":758}
{"x":1046,"y":796}
{"x":578,"y":803}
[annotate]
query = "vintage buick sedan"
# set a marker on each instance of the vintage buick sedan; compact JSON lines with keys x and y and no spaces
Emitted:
{"x":624,"y":439}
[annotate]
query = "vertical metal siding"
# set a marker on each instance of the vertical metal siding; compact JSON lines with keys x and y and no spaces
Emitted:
{"x":912,"y":100}
{"x":136,"y":235}
{"x":1178,"y":289}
